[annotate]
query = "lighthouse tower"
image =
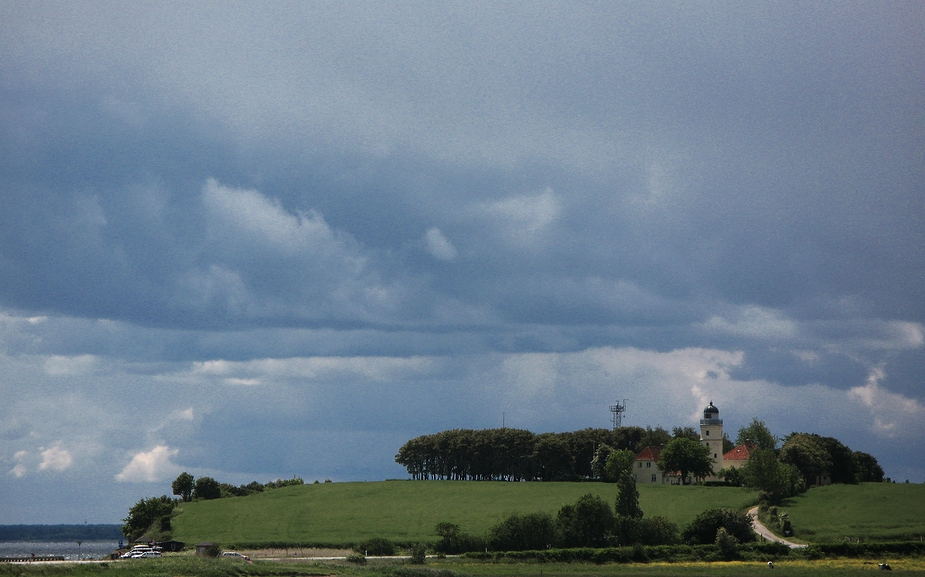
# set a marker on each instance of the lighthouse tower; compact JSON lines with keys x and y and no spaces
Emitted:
{"x":711,"y":434}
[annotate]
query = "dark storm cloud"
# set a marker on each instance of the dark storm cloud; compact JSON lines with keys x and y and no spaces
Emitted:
{"x":326,"y":226}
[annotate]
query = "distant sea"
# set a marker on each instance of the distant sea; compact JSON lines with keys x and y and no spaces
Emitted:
{"x":66,"y":549}
{"x":96,"y":541}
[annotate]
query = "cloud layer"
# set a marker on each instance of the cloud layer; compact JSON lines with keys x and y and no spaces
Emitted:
{"x":257,"y":242}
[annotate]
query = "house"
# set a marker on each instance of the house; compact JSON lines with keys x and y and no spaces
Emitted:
{"x":645,"y":469}
{"x":738,"y":456}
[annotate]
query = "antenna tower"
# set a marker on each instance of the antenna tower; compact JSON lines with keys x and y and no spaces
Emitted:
{"x":618,"y":409}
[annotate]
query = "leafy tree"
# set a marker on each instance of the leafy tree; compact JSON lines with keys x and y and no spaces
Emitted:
{"x":808,"y":454}
{"x":657,"y":530}
{"x":725,"y":543}
{"x":702,"y":530}
{"x":773,"y":479}
{"x":207,"y":488}
{"x":532,"y":531}
{"x":586,"y":523}
{"x":869,"y":471}
{"x":377,"y":546}
{"x":687,"y":457}
{"x":619,"y":463}
{"x":656,"y":437}
{"x":553,"y":458}
{"x":627,"y":497}
{"x":145,"y":513}
{"x":757,"y":434}
{"x":685,"y":432}
{"x":183,"y":486}
{"x":599,"y":462}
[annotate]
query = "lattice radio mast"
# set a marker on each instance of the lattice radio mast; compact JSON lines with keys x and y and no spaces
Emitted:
{"x":617,"y":409}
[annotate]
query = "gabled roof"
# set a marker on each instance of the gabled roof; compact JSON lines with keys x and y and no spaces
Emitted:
{"x":740,"y":453}
{"x":650,"y":453}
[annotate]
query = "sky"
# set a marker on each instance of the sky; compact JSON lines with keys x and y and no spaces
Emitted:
{"x":258,"y":240}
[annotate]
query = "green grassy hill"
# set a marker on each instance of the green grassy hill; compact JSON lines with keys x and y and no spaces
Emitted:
{"x":870,"y":511}
{"x":408,"y":511}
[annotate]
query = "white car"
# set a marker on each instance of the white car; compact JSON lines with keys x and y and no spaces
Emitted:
{"x":235,"y":554}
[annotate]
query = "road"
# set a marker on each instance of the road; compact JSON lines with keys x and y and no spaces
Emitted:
{"x":767,"y":534}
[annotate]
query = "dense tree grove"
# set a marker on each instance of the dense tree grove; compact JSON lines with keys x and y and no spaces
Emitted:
{"x":815,"y":456}
{"x":519,"y":455}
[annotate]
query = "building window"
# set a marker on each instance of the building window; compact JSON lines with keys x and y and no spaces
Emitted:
{"x":653,"y":477}
{"x":649,"y":465}
{"x":708,"y":432}
{"x":640,"y":464}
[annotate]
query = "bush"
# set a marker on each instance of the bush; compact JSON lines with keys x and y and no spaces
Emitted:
{"x":377,"y":546}
{"x":725,"y":543}
{"x":657,"y":530}
{"x":356,"y":558}
{"x":418,"y":553}
{"x":702,"y":530}
{"x":586,"y":523}
{"x":523,"y":533}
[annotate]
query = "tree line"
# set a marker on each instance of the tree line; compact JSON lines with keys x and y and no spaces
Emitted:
{"x":803,"y":460}
{"x":519,"y":455}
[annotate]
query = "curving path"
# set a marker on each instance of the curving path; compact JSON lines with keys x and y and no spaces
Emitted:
{"x":767,"y":534}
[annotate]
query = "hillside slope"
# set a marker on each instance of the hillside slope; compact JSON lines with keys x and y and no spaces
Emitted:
{"x":869,"y":511}
{"x":408,"y":511}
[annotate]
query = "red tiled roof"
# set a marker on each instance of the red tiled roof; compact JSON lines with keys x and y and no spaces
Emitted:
{"x":649,"y":454}
{"x":740,"y":453}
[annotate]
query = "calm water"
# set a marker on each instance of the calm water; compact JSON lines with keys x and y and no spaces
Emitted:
{"x":68,"y":549}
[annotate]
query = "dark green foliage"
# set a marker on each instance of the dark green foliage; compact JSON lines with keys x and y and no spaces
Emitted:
{"x":523,"y":533}
{"x":418,"y":553}
{"x":685,"y":433}
{"x":453,"y":541}
{"x":356,"y":559}
{"x":687,"y":456}
{"x":552,"y":458}
{"x":183,"y":486}
{"x":207,"y":488}
{"x":775,"y":480}
{"x":586,"y":523}
{"x":757,"y":434}
{"x":869,"y":470}
{"x":657,"y":530}
{"x":702,"y":530}
{"x":627,"y":497}
{"x":599,"y":461}
{"x":377,"y":547}
{"x":656,"y":437}
{"x":725,"y":543}
{"x":146,"y":513}
{"x":511,"y":454}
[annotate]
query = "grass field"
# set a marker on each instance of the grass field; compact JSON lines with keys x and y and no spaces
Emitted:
{"x":408,"y":511}
{"x":870,"y":511}
{"x":194,"y":567}
{"x":342,"y":514}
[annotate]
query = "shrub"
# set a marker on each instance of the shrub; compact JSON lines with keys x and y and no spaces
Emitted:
{"x":356,"y":558}
{"x":586,"y":523}
{"x":418,"y":553}
{"x":377,"y":546}
{"x":657,"y":530}
{"x":725,"y":543}
{"x":702,"y":530}
{"x":523,"y":532}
